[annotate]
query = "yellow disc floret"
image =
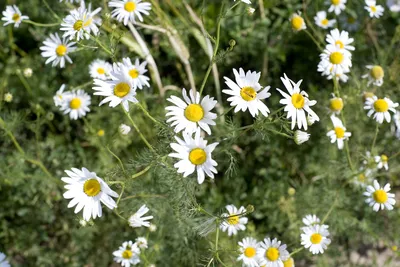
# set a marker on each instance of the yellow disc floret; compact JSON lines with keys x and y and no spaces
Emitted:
{"x":130,"y":6}
{"x":297,"y":22}
{"x":336,"y":58}
{"x":373,"y":9}
{"x":340,"y":44}
{"x":16,"y":17}
{"x":134,"y":73}
{"x":298,"y":100}
{"x":336,"y":104}
{"x":288,"y":263}
{"x":272,"y":254}
{"x":381,"y":105}
{"x":61,"y":50}
{"x":325,"y":22}
{"x":384,"y":158}
{"x":250,"y":252}
{"x":380,"y":196}
{"x":233,"y":220}
{"x":122,"y":89}
{"x":78,"y":25}
{"x":197,"y":156}
{"x":75,"y":103}
{"x":339,"y":131}
{"x":248,"y":93}
{"x":91,"y":187}
{"x":335,"y":2}
{"x":316,"y":238}
{"x":127,"y":254}
{"x":101,"y":71}
{"x":194,"y":112}
{"x":377,"y":72}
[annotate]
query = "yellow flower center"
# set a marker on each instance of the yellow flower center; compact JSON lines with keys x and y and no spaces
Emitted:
{"x":194,"y":112}
{"x":380,"y":196}
{"x":16,"y":17}
{"x":335,"y":2}
{"x":297,"y":22}
{"x":298,"y":100}
{"x":381,"y":105}
{"x":101,"y":133}
{"x":122,"y":89}
{"x":101,"y":71}
{"x":233,"y":220}
{"x":91,"y":187}
{"x":250,"y":252}
{"x":248,"y":93}
{"x":316,"y":238}
{"x":325,"y":22}
{"x":61,"y":50}
{"x":197,"y":156}
{"x":336,"y":104}
{"x":130,"y":6}
{"x":361,"y":178}
{"x":127,"y":254}
{"x":272,"y":254}
{"x":377,"y":72}
{"x":134,"y":73}
{"x":288,"y":263}
{"x":340,"y":43}
{"x":384,"y":158}
{"x":78,"y":25}
{"x":75,"y":103}
{"x":336,"y":58}
{"x":373,"y":8}
{"x":339,"y":131}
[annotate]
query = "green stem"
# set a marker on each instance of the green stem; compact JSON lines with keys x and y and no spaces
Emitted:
{"x":24,"y":82}
{"x":314,"y":40}
{"x":137,"y":129}
{"x":279,"y":133}
{"x":51,"y":10}
{"x":41,"y":24}
{"x":226,"y":112}
{"x":120,"y":195}
{"x":119,"y":161}
{"x":346,"y":146}
{"x":329,"y":211}
{"x":101,"y":45}
{"x":136,"y":175}
{"x":148,"y":114}
{"x":376,"y":135}
{"x":296,"y":251}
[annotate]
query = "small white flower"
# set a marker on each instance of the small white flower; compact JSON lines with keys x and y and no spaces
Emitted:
{"x":3,"y":261}
{"x":141,"y":242}
{"x":136,"y":220}
{"x":87,"y":190}
{"x":13,"y":15}
{"x":301,"y":137}
{"x":100,"y":69}
{"x":380,"y":108}
{"x":248,"y":252}
{"x":394,"y":5}
{"x":341,"y":39}
{"x":382,"y":161}
{"x":124,"y":129}
{"x":245,"y":1}
{"x":247,"y":93}
{"x":76,"y":104}
{"x":334,"y":60}
{"x":56,"y":50}
{"x":271,"y":253}
{"x":233,"y":220}
{"x":315,"y":238}
{"x":375,"y":75}
{"x":127,"y":10}
{"x":336,"y":6}
{"x":379,"y":197}
{"x":136,"y":72}
{"x":250,"y":11}
{"x":322,"y":21}
{"x":153,"y":227}
{"x":310,"y":120}
{"x":297,"y":22}
{"x":128,"y":254}
{"x":8,"y":97}
{"x":364,"y":177}
{"x":28,"y":72}
{"x":297,"y":103}
{"x":311,"y":219}
{"x":194,"y":155}
{"x":60,"y":96}
{"x":396,"y":124}
{"x":373,"y":9}
{"x":338,"y":134}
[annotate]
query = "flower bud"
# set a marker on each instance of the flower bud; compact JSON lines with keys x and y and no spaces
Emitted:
{"x":301,"y":137}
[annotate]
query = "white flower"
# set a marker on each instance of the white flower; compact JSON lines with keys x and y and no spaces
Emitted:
{"x":334,"y":60}
{"x":297,"y":103}
{"x":315,"y":238}
{"x":194,"y":155}
{"x":380,"y":108}
{"x":396,"y":124}
{"x":13,"y":15}
{"x":76,"y":104}
{"x":81,"y":22}
{"x":373,"y":9}
{"x":153,"y":227}
{"x":350,"y":23}
{"x":336,"y":104}
{"x":310,"y":120}
{"x":118,"y":90}
{"x":394,"y":5}
{"x":322,"y":21}
{"x":100,"y":69}
{"x":382,"y":161}
{"x":3,"y":260}
{"x":341,"y":39}
{"x":87,"y":190}
{"x":379,"y":197}
{"x":247,"y":93}
{"x":336,"y":6}
{"x":233,"y":220}
{"x":271,"y":253}
{"x":250,"y":11}
{"x":375,"y":75}
{"x":124,"y":129}
{"x":248,"y":252}
{"x":363,"y":178}
{"x":136,"y":220}
{"x":8,"y":97}
{"x":297,"y":22}
{"x":128,"y":10}
{"x":311,"y":219}
{"x":57,"y":50}
{"x":338,"y":134}
{"x":192,"y":113}
{"x":245,"y":1}
{"x":141,"y":242}
{"x":127,"y":254}
{"x":60,"y":96}
{"x":136,"y":72}
{"x":300,"y":137}
{"x":28,"y":72}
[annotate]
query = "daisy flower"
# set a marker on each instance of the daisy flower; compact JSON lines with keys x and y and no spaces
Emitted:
{"x":136,"y":72}
{"x":124,"y":129}
{"x":87,"y":190}
{"x":233,"y":220}
{"x":315,"y":238}
{"x":350,"y":23}
{"x":336,"y":104}
{"x":382,"y":161}
{"x":338,"y":134}
{"x":322,"y":21}
{"x":141,"y":242}
{"x":248,"y":250}
{"x":379,"y":197}
{"x":8,"y":97}
{"x":60,"y":96}
{"x":56,"y":50}
{"x":341,"y":39}
{"x":191,"y":113}
{"x":301,"y":137}
{"x":336,"y":6}
{"x":380,"y":108}
{"x":311,"y":219}
{"x":80,"y":23}
{"x":288,"y":263}
{"x":128,"y":254}
{"x":271,"y":253}
{"x":297,"y":103}
{"x":136,"y":220}
{"x":245,"y":1}
{"x":394,"y":5}
{"x":363,"y":178}
{"x":127,"y":10}
{"x":3,"y":261}
{"x":13,"y":15}
{"x":100,"y":69}
{"x":373,"y":9}
{"x":297,"y":22}
{"x":334,"y":60}
{"x":375,"y":75}
{"x":194,"y":154}
{"x":76,"y":104}
{"x":118,"y":90}
{"x":247,"y":93}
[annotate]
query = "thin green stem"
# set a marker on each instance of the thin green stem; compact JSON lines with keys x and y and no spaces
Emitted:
{"x":329,"y":211}
{"x":148,"y":114}
{"x":226,"y":112}
{"x":296,"y":251}
{"x":51,"y":10}
{"x":143,"y":196}
{"x":41,"y":24}
{"x":376,"y":135}
{"x":102,"y":46}
{"x":136,"y":175}
{"x":120,"y":195}
{"x":24,"y":82}
{"x":314,"y":40}
{"x":279,"y":133}
{"x":118,"y":159}
{"x":138,"y":130}
{"x":346,"y":147}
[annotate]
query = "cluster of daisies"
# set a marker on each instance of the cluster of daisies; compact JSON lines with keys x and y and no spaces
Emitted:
{"x":129,"y":252}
